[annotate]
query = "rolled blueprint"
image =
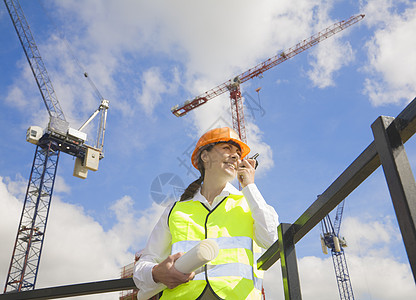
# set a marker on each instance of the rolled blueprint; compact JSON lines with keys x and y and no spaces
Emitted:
{"x":196,"y":257}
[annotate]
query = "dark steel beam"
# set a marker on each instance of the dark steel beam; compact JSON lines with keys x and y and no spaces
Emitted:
{"x":350,"y":179}
{"x":289,"y":263}
{"x":400,"y":181}
{"x":362,"y":167}
{"x":73,"y":290}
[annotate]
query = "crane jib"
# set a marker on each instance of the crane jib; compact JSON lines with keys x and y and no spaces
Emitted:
{"x":181,"y":110}
{"x":34,"y":58}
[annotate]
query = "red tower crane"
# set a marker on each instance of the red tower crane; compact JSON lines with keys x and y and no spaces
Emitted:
{"x":233,"y":85}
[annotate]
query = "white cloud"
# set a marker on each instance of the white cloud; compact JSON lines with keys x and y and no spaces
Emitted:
{"x":257,"y":145}
{"x":331,"y":54}
{"x":60,"y":185}
{"x":380,"y":277}
{"x":272,"y":283}
{"x":328,"y":58}
{"x":391,"y":53}
{"x":374,"y":271}
{"x":17,"y":186}
{"x":372,"y":236}
{"x":317,"y":278}
{"x":25,"y":96}
{"x":76,"y":247}
{"x":16,"y":97}
{"x":154,"y":86}
{"x":380,"y":12}
{"x":10,"y":211}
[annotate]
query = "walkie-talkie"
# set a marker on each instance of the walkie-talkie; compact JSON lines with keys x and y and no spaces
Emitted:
{"x":254,"y":157}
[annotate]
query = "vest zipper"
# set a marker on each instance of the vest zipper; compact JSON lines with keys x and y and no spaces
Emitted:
{"x":206,"y":236}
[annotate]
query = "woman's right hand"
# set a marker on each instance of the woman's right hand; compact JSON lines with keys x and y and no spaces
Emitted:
{"x":166,"y":273}
{"x":245,"y":171}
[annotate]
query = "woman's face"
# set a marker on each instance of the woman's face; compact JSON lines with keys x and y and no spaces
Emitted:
{"x":222,"y":161}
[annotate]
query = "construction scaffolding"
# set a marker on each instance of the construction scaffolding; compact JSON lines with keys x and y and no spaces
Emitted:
{"x":127,"y":272}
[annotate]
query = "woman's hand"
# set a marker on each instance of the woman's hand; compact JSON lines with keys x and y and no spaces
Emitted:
{"x":166,"y":273}
{"x":246,"y":171}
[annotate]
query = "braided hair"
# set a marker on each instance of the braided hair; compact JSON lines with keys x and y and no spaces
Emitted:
{"x":192,"y":189}
{"x":195,"y":185}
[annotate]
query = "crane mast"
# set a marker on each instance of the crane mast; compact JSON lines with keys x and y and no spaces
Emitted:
{"x":58,"y":137}
{"x":233,"y":85}
{"x":27,"y":250}
{"x":330,"y":239}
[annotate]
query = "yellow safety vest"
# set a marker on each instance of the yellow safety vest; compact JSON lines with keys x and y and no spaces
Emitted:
{"x":233,"y":274}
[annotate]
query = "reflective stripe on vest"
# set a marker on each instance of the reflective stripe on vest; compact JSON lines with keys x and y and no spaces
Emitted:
{"x":223,"y":243}
{"x":234,"y":269}
{"x":230,"y":224}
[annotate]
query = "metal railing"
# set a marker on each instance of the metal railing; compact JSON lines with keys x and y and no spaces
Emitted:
{"x":387,"y":150}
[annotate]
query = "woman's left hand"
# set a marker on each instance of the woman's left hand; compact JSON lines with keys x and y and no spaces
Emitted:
{"x":246,"y":172}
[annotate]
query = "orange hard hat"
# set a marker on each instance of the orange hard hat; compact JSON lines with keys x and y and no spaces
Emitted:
{"x":216,"y":135}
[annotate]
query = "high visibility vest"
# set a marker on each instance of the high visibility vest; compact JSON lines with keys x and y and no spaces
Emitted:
{"x":233,"y":274}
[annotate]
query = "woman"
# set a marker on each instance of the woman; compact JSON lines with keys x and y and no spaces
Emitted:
{"x":212,"y":208}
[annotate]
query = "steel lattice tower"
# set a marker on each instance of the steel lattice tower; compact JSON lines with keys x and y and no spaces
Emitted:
{"x":342,"y":275}
{"x":331,"y":239}
{"x":24,"y":264}
{"x":59,"y":137}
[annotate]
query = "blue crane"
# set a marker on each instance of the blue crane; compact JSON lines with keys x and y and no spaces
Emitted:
{"x":57,"y":137}
{"x":330,"y":239}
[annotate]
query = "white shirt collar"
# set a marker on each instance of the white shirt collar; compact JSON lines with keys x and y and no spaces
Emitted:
{"x":228,"y":189}
{"x":231,"y":189}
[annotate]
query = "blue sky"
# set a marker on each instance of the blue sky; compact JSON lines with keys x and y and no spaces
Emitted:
{"x":315,"y":118}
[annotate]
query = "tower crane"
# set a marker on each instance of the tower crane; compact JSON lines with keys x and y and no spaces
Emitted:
{"x":233,"y":85}
{"x":330,"y":239}
{"x":57,"y":137}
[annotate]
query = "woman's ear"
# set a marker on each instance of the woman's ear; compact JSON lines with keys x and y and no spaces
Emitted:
{"x":204,"y":156}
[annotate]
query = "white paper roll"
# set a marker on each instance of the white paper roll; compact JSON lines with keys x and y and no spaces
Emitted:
{"x":195,"y":258}
{"x":198,"y":256}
